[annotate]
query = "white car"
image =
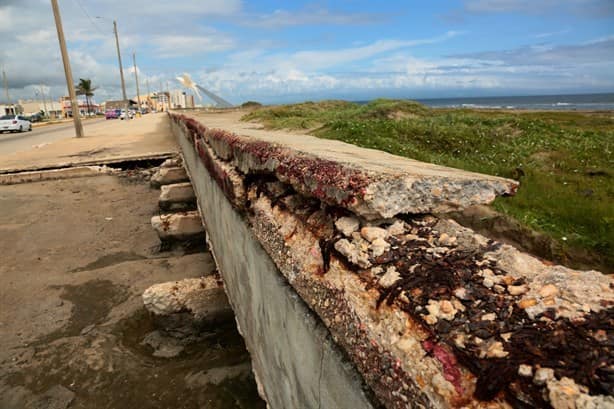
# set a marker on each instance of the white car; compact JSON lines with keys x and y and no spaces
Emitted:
{"x":14,"y":123}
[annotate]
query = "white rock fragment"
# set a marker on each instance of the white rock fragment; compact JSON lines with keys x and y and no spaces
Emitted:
{"x":543,"y":375}
{"x":398,"y":227}
{"x":371,"y":233}
{"x":390,"y":277}
{"x":442,"y":309}
{"x":489,"y":317}
{"x":379,"y":246}
{"x":347,"y":225}
{"x":492,"y":349}
{"x":525,"y":370}
{"x":353,"y":253}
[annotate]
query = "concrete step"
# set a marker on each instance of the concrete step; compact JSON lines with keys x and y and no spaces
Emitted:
{"x":178,"y":226}
{"x":176,"y":196}
{"x":167,"y":176}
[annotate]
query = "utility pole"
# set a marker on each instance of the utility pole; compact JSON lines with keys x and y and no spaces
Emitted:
{"x":169,"y":96}
{"x":44,"y":100}
{"x":119,"y":58}
{"x":136,"y":77}
{"x":148,"y":95}
{"x":69,"y":82}
{"x":5,"y":82}
{"x":121,"y":70}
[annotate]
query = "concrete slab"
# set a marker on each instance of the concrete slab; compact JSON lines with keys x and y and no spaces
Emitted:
{"x":371,"y":183}
{"x":105,"y":141}
{"x":65,"y":173}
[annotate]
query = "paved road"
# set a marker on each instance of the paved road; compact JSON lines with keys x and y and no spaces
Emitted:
{"x":19,"y":142}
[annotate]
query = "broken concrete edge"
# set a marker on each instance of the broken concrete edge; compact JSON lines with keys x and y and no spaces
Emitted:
{"x":178,"y":226}
{"x":92,"y":162}
{"x":420,"y":188}
{"x":202,"y":298}
{"x":573,"y":298}
{"x":65,"y":173}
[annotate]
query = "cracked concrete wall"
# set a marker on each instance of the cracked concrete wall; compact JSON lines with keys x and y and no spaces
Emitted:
{"x":296,"y":362}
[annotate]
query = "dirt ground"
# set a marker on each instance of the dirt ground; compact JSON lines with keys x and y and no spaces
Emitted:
{"x":76,"y":255}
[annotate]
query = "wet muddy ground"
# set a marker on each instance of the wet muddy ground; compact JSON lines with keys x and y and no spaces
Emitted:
{"x":76,"y":256}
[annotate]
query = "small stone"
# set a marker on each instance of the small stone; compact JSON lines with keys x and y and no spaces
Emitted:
{"x":446,"y":306}
{"x":390,"y":277}
{"x":372,"y":233}
{"x":548,"y":290}
{"x":508,"y":280}
{"x":460,"y":293}
{"x":347,"y":225}
{"x":488,"y":282}
{"x":517,"y":289}
{"x":493,"y":349}
{"x":526,"y":303}
{"x":543,"y":375}
{"x":525,"y":370}
{"x":487,"y":272}
{"x":499,"y":289}
{"x":353,"y":253}
{"x":379,"y":246}
{"x":489,"y":317}
{"x":398,"y":227}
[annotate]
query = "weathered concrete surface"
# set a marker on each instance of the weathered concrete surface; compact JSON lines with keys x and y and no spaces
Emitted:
{"x":202,"y":298}
{"x":105,"y":142}
{"x":175,"y":194}
{"x":430,"y":313}
{"x":371,"y":183}
{"x":177,"y":226}
{"x":72,"y":271}
{"x":293,"y":356}
{"x":167,"y":176}
{"x":39,"y":176}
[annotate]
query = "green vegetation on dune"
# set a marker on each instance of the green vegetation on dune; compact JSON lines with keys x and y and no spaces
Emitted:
{"x":563,"y":159}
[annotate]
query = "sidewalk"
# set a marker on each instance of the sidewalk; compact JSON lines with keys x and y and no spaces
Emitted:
{"x":148,"y":136}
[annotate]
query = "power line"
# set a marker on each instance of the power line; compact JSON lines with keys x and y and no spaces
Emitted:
{"x":89,"y":17}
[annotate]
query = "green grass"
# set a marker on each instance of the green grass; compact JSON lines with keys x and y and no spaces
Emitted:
{"x":566,"y":160}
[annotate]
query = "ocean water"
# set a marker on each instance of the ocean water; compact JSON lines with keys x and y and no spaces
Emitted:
{"x":578,"y":102}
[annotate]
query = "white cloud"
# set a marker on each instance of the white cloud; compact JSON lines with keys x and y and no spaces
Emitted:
{"x":284,"y":18}
{"x":168,"y":46}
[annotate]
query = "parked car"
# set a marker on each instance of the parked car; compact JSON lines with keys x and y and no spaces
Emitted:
{"x":112,"y":113}
{"x":14,"y":123}
{"x":35,"y":118}
{"x":123,"y":114}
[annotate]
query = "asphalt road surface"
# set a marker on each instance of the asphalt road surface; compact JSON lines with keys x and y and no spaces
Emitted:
{"x":19,"y":142}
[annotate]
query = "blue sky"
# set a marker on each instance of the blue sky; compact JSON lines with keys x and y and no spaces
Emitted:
{"x":275,"y":51}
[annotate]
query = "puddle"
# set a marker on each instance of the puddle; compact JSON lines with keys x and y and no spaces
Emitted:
{"x":111,"y":367}
{"x":91,"y":303}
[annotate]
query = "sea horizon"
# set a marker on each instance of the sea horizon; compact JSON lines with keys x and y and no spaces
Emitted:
{"x":557,"y":102}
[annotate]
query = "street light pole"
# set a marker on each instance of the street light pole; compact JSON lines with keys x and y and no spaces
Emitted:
{"x":69,"y":82}
{"x":136,"y":77}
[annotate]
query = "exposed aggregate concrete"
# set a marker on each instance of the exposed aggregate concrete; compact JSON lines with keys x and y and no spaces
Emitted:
{"x":430,"y":312}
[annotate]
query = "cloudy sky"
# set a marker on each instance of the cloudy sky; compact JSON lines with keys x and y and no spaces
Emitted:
{"x":281,"y":51}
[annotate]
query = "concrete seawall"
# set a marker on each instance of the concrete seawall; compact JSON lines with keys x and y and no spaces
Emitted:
{"x":348,"y":295}
{"x":294,"y":358}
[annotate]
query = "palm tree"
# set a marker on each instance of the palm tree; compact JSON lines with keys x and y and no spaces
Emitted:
{"x":84,"y":87}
